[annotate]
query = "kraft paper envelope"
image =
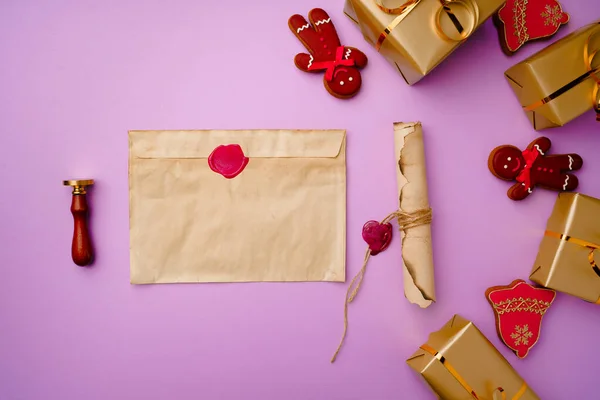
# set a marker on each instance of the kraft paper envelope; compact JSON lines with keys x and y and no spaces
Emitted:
{"x":283,"y":218}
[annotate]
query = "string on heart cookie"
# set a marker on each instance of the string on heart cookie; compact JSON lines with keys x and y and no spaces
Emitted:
{"x":378,"y":236}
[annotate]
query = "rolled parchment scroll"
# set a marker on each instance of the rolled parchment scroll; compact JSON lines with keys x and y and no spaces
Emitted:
{"x":414,"y":222}
{"x":417,"y":256}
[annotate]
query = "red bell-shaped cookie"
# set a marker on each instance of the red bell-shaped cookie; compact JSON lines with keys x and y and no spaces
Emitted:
{"x":527,"y":20}
{"x":519,"y":308}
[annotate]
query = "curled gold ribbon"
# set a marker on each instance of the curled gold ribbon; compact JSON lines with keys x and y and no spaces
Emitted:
{"x":462,"y":381}
{"x":596,"y":96}
{"x":588,"y":58}
{"x":464,"y":33}
{"x":397,"y":10}
{"x":403,"y":10}
{"x":402,"y":13}
{"x":499,"y":394}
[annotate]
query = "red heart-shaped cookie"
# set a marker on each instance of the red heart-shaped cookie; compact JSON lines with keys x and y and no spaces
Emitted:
{"x":377,"y":235}
{"x":228,"y":160}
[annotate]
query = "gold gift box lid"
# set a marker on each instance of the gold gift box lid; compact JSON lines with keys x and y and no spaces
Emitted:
{"x":556,"y":84}
{"x":418,"y":39}
{"x":568,"y":250}
{"x":458,"y":361}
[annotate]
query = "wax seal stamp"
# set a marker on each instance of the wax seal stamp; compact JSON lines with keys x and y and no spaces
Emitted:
{"x":81,"y":249}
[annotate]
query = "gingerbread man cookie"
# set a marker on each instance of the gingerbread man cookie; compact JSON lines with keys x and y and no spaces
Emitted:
{"x":522,"y":21}
{"x":340,"y":63}
{"x":534,"y":167}
{"x":519,"y":308}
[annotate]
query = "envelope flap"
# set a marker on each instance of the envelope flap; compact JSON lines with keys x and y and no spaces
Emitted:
{"x":255,"y":143}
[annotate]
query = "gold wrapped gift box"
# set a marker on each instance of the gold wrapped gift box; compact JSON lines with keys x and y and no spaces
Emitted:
{"x":565,"y":260}
{"x":459,"y":363}
{"x":560,"y":82}
{"x":418,"y":35}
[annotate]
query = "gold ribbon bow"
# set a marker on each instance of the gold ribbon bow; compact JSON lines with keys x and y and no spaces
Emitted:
{"x":583,"y":243}
{"x":499,"y":393}
{"x":591,"y":72}
{"x":405,"y":9}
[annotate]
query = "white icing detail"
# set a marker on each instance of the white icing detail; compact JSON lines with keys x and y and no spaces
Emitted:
{"x":529,"y":190}
{"x":323,"y":21}
{"x":506,"y":166}
{"x":348,"y":51}
{"x":310,"y":61}
{"x":570,"y":163}
{"x":509,"y":158}
{"x":303,"y":27}
{"x":350,"y":79}
{"x":341,"y":83}
{"x":538,"y":149}
{"x":566,"y":181}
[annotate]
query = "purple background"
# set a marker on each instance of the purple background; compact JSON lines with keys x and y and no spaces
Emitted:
{"x":76,"y":75}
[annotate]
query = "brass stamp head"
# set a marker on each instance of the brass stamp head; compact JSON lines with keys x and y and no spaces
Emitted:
{"x":79,"y":185}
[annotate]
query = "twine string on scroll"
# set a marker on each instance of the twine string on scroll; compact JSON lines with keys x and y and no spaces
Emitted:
{"x":405,"y":221}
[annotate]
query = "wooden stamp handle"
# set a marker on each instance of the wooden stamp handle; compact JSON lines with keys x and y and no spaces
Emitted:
{"x":81,"y":249}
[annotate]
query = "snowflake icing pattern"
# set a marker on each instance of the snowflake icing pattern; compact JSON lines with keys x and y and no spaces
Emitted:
{"x":552,"y":15}
{"x":521,"y":335}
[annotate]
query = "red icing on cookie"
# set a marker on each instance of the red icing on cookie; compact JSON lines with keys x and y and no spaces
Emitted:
{"x":377,"y":235}
{"x":521,"y":21}
{"x":340,"y":63}
{"x":519,"y":308}
{"x":228,"y":160}
{"x":534,"y":167}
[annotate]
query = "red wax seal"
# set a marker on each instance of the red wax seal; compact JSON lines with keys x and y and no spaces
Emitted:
{"x":228,"y":160}
{"x":377,"y":235}
{"x":519,"y":308}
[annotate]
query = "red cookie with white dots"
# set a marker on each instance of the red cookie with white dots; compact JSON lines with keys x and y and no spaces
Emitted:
{"x":522,"y":21}
{"x":340,"y":63}
{"x":534,"y":167}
